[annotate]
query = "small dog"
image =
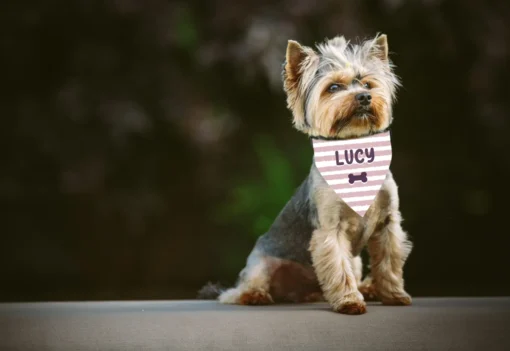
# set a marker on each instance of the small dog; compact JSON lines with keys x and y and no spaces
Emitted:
{"x":312,"y":250}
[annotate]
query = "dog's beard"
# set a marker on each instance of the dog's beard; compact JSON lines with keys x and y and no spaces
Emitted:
{"x":360,"y":118}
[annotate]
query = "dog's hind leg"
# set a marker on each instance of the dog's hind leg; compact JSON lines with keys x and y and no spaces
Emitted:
{"x":253,"y":285}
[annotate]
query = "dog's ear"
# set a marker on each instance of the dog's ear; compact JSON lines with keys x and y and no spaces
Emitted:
{"x":380,"y":47}
{"x":297,"y":60}
{"x":298,"y":71}
{"x":294,"y":58}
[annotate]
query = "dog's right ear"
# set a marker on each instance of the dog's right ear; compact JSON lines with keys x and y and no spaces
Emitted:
{"x":293,"y":60}
{"x":297,"y":59}
{"x":297,"y":73}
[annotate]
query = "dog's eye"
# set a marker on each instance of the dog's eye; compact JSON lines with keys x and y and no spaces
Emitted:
{"x":334,"y":87}
{"x":367,"y":85}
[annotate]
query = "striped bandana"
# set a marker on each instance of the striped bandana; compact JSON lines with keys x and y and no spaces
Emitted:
{"x":354,"y":168}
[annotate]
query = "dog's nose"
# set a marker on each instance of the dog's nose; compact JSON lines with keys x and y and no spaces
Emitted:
{"x":364,"y":98}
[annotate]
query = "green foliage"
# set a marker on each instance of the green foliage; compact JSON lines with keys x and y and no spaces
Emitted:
{"x":186,"y":28}
{"x":254,"y":202}
{"x":258,"y":202}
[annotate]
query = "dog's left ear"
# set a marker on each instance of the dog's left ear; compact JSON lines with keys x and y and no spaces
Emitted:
{"x":380,"y":47}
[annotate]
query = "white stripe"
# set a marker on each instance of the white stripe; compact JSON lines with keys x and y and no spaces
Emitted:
{"x":352,"y":142}
{"x":358,"y":198}
{"x":360,"y":208}
{"x":355,"y":170}
{"x":358,"y":190}
{"x":333,"y":163}
{"x":332,"y":153}
{"x":346,"y":180}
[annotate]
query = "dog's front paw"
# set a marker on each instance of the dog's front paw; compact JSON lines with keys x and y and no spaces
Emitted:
{"x":367,"y":288}
{"x":353,"y":308}
{"x":398,"y":299}
{"x":351,"y":304}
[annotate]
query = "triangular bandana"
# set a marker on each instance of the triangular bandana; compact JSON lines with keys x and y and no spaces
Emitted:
{"x":354,"y":168}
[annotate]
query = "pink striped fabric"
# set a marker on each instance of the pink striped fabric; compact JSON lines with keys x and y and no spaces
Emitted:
{"x":354,"y":168}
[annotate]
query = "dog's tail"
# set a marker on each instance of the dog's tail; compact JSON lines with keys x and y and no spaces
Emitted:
{"x":210,"y":291}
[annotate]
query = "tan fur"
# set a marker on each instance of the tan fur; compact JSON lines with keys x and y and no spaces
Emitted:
{"x":333,"y":263}
{"x":367,"y":288}
{"x":357,"y":266}
{"x":256,"y":277}
{"x":297,"y":77}
{"x":389,"y":248}
{"x":333,"y":247}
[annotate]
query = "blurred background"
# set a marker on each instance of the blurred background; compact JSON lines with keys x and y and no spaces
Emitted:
{"x":146,"y":144}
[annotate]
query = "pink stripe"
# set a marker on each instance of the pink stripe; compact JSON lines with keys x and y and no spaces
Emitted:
{"x":353,"y":146}
{"x":361,"y":193}
{"x":318,"y":141}
{"x":340,"y":176}
{"x":353,"y":166}
{"x":360,"y":203}
{"x":357,"y":185}
{"x":333,"y":157}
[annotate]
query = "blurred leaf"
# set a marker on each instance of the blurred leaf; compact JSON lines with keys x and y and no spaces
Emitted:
{"x":259,"y":201}
{"x":187,"y":33}
{"x":261,"y":224}
{"x":277,"y":169}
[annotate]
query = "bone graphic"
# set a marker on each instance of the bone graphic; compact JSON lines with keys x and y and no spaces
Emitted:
{"x":361,"y":177}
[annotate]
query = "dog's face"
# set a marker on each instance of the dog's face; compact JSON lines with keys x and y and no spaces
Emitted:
{"x":343,"y":90}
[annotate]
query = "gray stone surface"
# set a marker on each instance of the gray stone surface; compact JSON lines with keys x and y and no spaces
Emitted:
{"x":430,"y":324}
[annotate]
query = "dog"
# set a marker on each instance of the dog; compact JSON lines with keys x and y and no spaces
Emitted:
{"x":311,"y":252}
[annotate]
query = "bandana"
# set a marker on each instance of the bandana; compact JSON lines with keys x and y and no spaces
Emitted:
{"x":354,"y":168}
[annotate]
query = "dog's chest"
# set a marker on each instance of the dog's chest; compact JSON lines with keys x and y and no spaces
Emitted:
{"x":357,"y":229}
{"x":333,"y":212}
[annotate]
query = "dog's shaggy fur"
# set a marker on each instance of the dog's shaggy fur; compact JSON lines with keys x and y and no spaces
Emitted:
{"x":311,"y":252}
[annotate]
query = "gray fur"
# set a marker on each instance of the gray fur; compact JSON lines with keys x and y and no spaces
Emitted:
{"x":289,"y":235}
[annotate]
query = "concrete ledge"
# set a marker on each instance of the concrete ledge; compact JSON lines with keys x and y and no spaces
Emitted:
{"x":430,"y":324}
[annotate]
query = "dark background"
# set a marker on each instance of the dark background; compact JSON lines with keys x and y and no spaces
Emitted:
{"x":146,"y":144}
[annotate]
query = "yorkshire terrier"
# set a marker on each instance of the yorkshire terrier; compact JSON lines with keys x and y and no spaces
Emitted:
{"x":312,"y":251}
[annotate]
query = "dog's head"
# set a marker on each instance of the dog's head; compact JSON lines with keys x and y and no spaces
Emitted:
{"x":341,"y":90}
